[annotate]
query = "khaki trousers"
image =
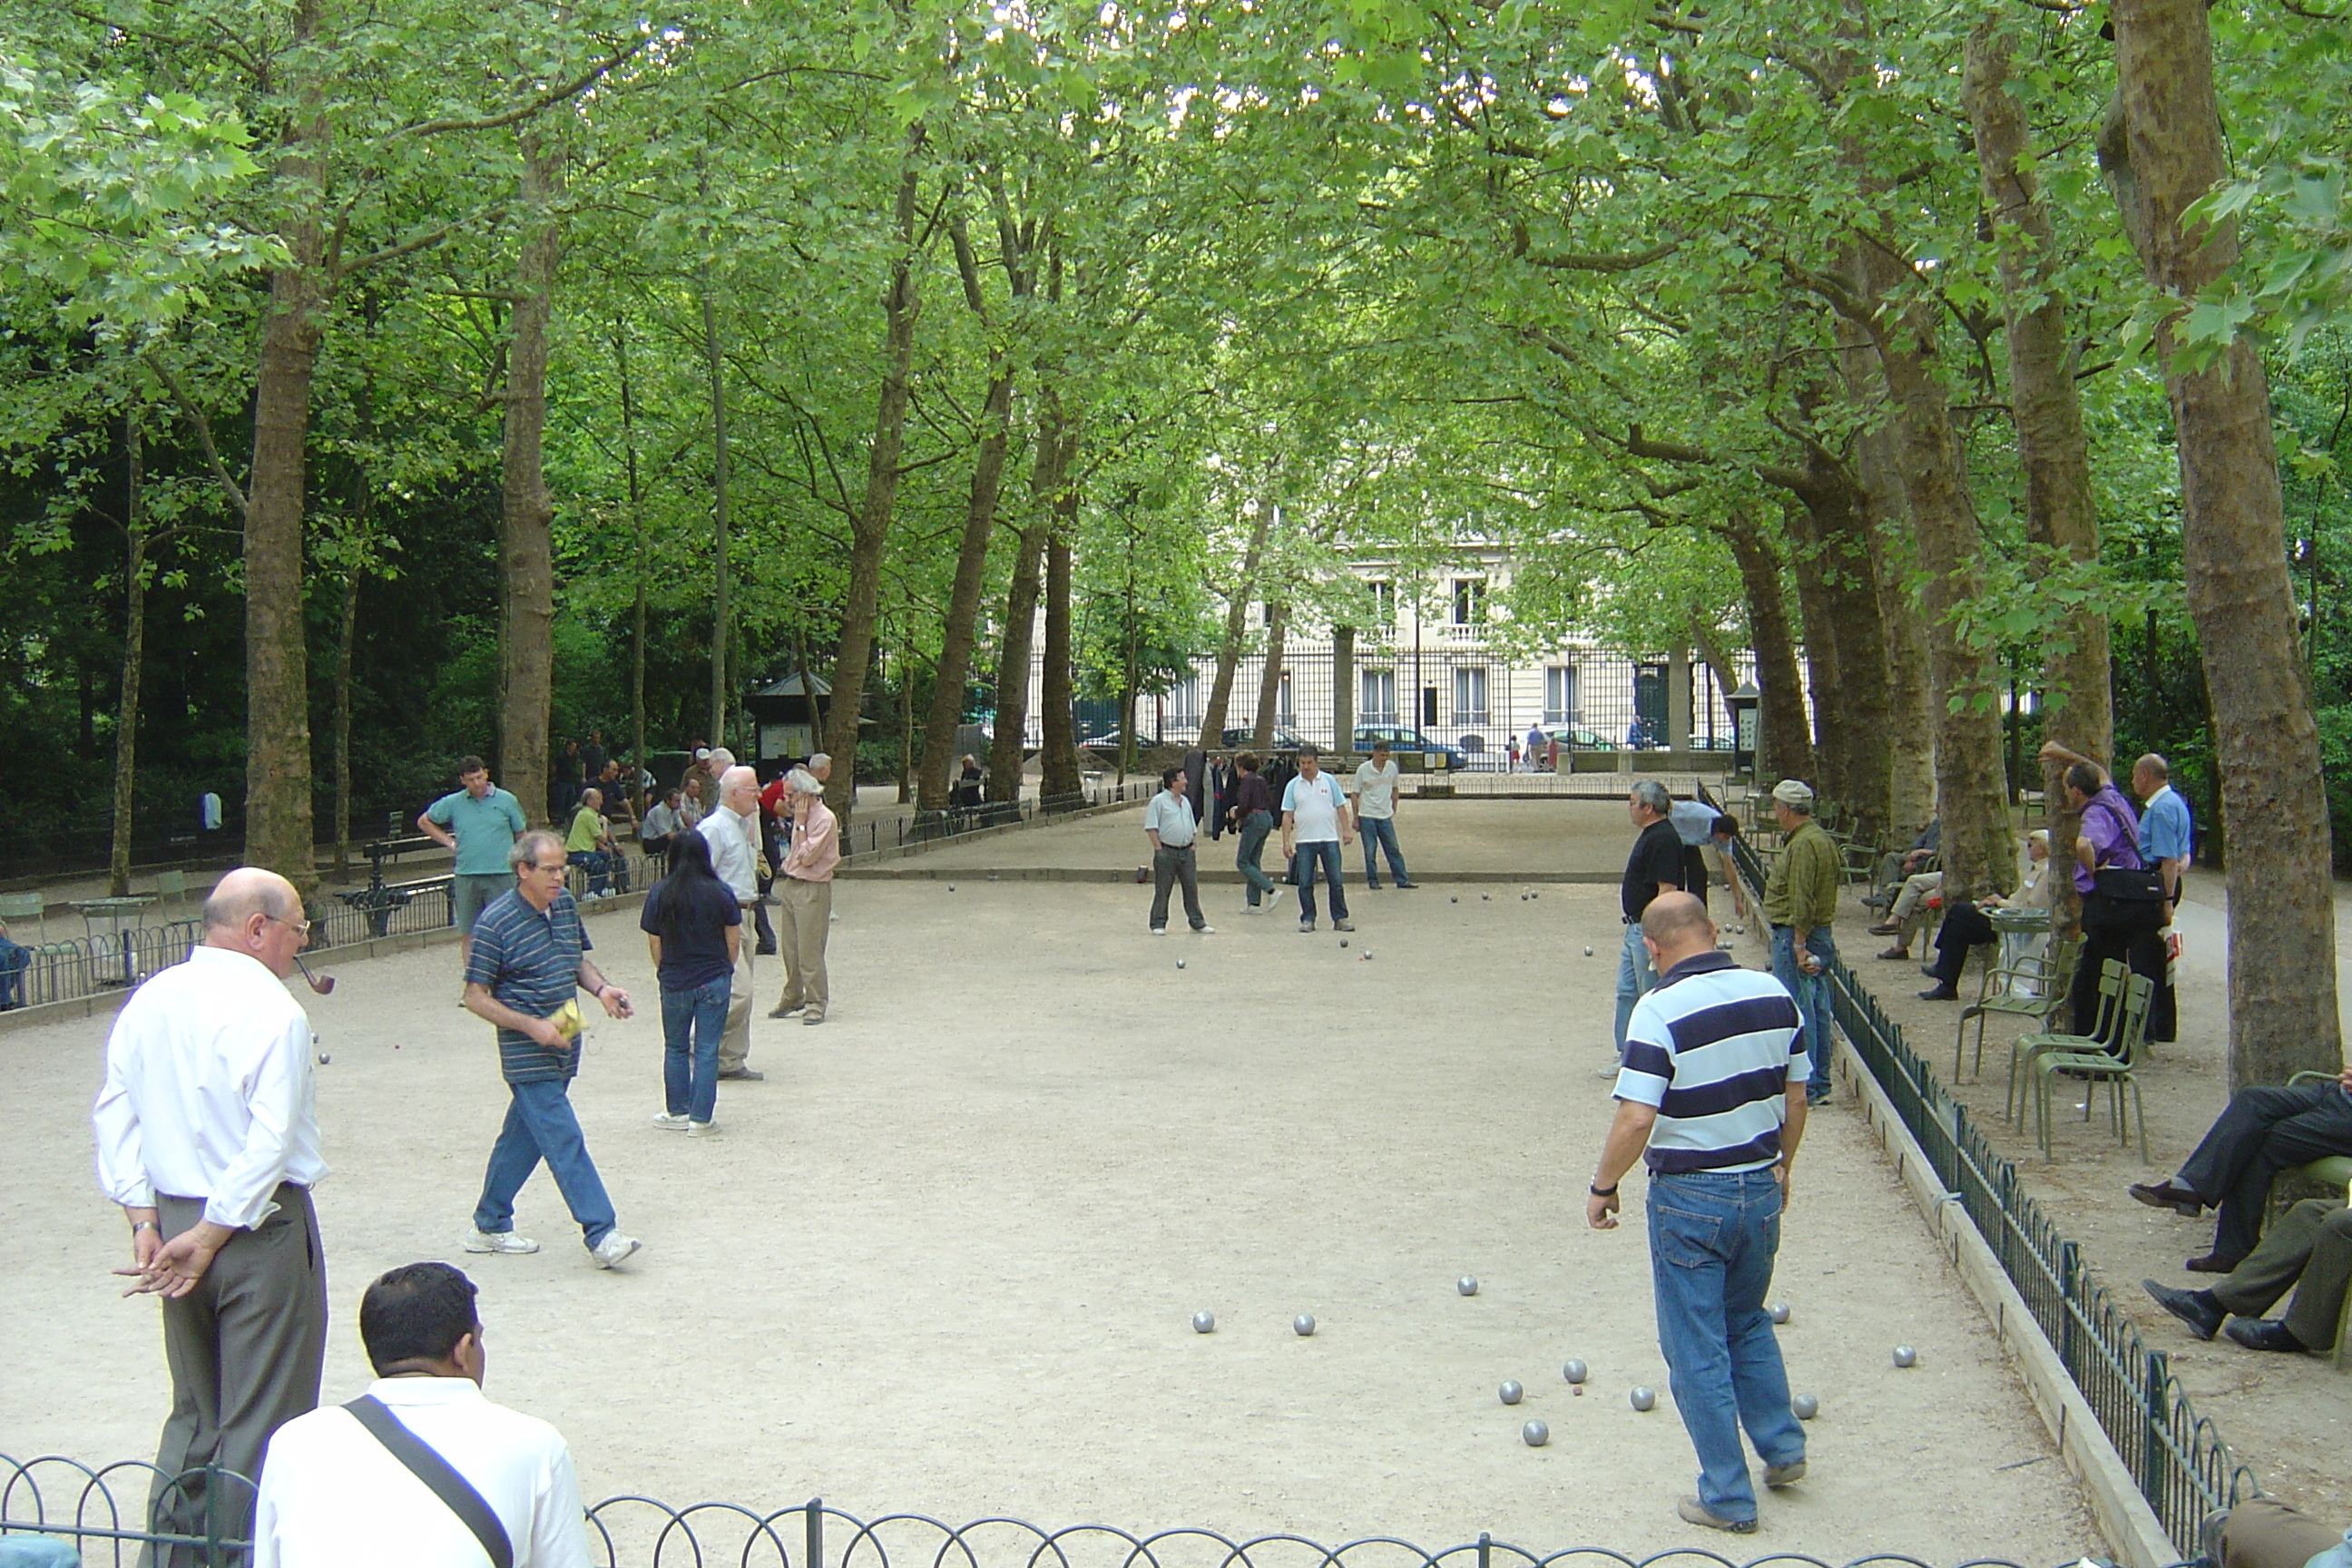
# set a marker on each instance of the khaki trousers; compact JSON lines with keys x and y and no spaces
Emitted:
{"x":2308,"y":1249}
{"x":804,"y":921}
{"x":735,"y":1040}
{"x":2266,"y":1534}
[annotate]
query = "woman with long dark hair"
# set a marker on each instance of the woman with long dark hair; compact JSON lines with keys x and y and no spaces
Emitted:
{"x":694,"y":928}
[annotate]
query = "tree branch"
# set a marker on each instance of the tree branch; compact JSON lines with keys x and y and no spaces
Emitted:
{"x":524,"y":111}
{"x":204,"y":433}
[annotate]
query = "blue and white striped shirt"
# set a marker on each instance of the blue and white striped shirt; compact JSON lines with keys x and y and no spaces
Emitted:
{"x":1709,"y":1046}
{"x":530,"y":962}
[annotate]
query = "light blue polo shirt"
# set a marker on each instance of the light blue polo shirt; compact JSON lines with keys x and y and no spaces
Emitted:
{"x":2163,"y":828}
{"x":485,"y":829}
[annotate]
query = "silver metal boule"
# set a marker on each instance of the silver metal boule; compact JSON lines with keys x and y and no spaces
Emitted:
{"x":1204,"y":1322}
{"x":1588,"y":952}
{"x":1536,"y":1434}
{"x":1645,"y":1396}
{"x":1804,"y":1407}
{"x":1303,"y":1325}
{"x":1509,"y":1393}
{"x":1179,"y":963}
{"x":1343,"y":942}
{"x":1905,"y":1355}
{"x":1573,"y":1372}
{"x":1779,"y":1311}
{"x":1467,"y":1285}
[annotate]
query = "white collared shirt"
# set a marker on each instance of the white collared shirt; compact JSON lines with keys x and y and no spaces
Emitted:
{"x":333,"y":1496}
{"x":210,"y":1093}
{"x":731,"y":836}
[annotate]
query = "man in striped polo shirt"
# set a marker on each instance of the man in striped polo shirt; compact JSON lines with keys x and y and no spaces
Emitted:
{"x":527,"y":962}
{"x":1706,"y":1099}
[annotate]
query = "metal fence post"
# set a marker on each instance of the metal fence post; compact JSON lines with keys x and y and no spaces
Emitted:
{"x":2152,"y":1466}
{"x":1485,"y":1541}
{"x":815,"y":1548}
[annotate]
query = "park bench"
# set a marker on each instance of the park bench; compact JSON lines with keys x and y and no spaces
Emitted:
{"x":379,"y":898}
{"x":1055,"y":805}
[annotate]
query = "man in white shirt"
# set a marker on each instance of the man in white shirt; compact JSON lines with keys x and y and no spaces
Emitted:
{"x":333,"y":1496}
{"x":208,"y":1137}
{"x":1167,"y":823}
{"x":733,"y":830}
{"x":1314,"y":827}
{"x":1374,"y":801}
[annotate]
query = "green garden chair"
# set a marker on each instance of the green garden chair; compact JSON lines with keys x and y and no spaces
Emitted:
{"x":2040,"y":977}
{"x":2025,"y":1047}
{"x":2112,"y":1068}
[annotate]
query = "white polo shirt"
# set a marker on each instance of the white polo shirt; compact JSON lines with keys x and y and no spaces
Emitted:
{"x":1314,"y":808}
{"x":333,"y":1496}
{"x":1375,"y":789}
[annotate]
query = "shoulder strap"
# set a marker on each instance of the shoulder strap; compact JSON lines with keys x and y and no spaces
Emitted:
{"x":439,"y":1476}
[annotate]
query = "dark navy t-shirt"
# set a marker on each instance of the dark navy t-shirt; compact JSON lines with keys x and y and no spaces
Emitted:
{"x":691,"y":919}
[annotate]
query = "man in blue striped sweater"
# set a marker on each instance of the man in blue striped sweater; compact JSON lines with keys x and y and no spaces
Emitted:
{"x":1706,"y":1099}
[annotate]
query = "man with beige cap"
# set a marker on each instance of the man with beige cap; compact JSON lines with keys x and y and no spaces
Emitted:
{"x":1799,"y":901}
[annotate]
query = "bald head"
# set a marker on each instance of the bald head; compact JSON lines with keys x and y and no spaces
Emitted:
{"x":257,"y":913}
{"x":1675,"y":925}
{"x":738,"y":790}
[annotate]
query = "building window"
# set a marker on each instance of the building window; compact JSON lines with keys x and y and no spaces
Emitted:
{"x":1469,"y":601}
{"x":1283,"y":713}
{"x":1470,"y":696}
{"x":1560,"y":694}
{"x":1383,"y":604}
{"x":1265,"y":613}
{"x":1184,"y":701}
{"x":1379,"y":705}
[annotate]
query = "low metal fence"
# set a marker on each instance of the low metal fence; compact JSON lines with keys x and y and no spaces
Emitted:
{"x":75,"y":1504}
{"x":2178,"y":1459}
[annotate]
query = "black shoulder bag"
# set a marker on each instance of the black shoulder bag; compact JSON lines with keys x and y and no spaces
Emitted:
{"x":439,"y":1476}
{"x":2131,"y":898}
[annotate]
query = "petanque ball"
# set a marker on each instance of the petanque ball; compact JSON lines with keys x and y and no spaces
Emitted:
{"x":1509,"y":1393}
{"x":1484,"y":898}
{"x":1536,"y":1434}
{"x":1467,"y":1285}
{"x":1779,"y":1311}
{"x":1588,"y":952}
{"x":1905,"y":1355}
{"x":1179,"y":963}
{"x":1535,"y":895}
{"x":1645,"y":1396}
{"x":1523,"y":898}
{"x":951,"y":887}
{"x":1804,"y":1407}
{"x":1454,"y":900}
{"x":1573,"y":1372}
{"x":1366,"y":956}
{"x":1204,"y":1322}
{"x":1303,"y":1325}
{"x":324,"y":1058}
{"x":1343,"y":942}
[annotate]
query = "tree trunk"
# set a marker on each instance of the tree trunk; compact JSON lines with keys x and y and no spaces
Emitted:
{"x":872,"y":528}
{"x":722,"y":616}
{"x":1269,"y":681}
{"x":1058,"y":767}
{"x":907,"y":723}
{"x":963,"y":599}
{"x":637,"y":574}
{"x":527,"y":514}
{"x":2165,"y":154}
{"x":2052,"y":449}
{"x":277,"y":656}
{"x":1963,"y":678}
{"x":1810,"y":565}
{"x":1910,"y":733}
{"x":1783,"y":749}
{"x":1005,"y":746}
{"x":1229,"y":647}
{"x":134,"y":656}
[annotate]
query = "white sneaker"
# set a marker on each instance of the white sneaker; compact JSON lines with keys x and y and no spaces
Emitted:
{"x":1204,"y":930}
{"x":1246,"y":909}
{"x":1159,"y":931}
{"x":504,"y":1241}
{"x":703,"y":1129}
{"x":670,"y":1122}
{"x":1305,"y":925}
{"x":615,"y":1249}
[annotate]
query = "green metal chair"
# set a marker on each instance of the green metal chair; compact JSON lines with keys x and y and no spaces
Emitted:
{"x":172,"y":893}
{"x":2098,"y":1066}
{"x":26,"y":907}
{"x":2041,"y":975}
{"x":2025,"y":1047}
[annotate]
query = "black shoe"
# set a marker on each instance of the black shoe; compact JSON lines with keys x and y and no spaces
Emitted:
{"x":1406,"y":885}
{"x":2195,"y":1308}
{"x":2211,"y":1263}
{"x":1941,"y":994}
{"x":2167,"y":1195}
{"x":1373,"y":887}
{"x":765,"y":949}
{"x":2263,"y":1334}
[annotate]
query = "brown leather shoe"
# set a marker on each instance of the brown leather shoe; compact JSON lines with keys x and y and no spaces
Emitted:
{"x":2168,"y":1194}
{"x":1885,"y":928}
{"x":1896,"y":953}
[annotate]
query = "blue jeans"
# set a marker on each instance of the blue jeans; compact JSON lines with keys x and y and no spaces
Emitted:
{"x":540,"y":1126}
{"x":1812,"y":995}
{"x":1381,"y":830}
{"x":1324,"y":854}
{"x":1712,"y":1238}
{"x":1635,"y":978}
{"x":691,"y":1021}
{"x":1254,"y":827}
{"x":592,"y":862}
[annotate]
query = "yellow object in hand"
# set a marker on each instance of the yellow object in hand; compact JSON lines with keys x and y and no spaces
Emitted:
{"x":567,"y":1020}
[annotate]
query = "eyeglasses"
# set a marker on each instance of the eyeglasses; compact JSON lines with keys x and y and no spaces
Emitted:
{"x":542,"y":866}
{"x":299,"y":928}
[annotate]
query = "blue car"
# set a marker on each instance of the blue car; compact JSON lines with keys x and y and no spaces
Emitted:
{"x":1403,"y":738}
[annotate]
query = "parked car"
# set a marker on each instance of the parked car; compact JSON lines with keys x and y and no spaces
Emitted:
{"x":1285,"y":740}
{"x":1404,"y":738}
{"x":1109,"y":743}
{"x":1575,"y":738}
